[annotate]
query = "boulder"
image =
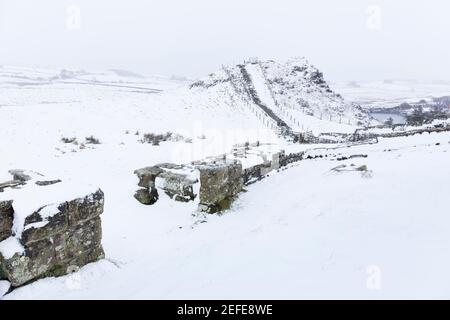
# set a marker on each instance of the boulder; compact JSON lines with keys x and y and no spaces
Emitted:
{"x":147,"y":176}
{"x":24,"y":175}
{"x":147,"y":196}
{"x":286,"y":159}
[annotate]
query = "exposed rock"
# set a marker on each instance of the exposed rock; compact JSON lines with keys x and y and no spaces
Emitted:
{"x":255,"y":173}
{"x":23,"y":175}
{"x":54,"y":239}
{"x":219,"y":184}
{"x":215,"y":183}
{"x":286,"y":159}
{"x":147,"y":193}
{"x":147,"y":176}
{"x":343,"y":158}
{"x":83,"y":209}
{"x":6,"y":219}
{"x":147,"y":196}
{"x":170,"y":166}
{"x":177,"y":186}
{"x":10,"y":184}
{"x":47,"y":182}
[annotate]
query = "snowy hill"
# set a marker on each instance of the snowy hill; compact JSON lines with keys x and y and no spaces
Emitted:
{"x":311,"y":231}
{"x":390,"y":93}
{"x":290,"y":96}
{"x":267,"y":97}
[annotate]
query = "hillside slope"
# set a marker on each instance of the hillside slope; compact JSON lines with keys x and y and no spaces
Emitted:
{"x":291,"y":96}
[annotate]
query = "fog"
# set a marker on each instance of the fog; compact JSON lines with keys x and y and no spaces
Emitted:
{"x":347,"y":39}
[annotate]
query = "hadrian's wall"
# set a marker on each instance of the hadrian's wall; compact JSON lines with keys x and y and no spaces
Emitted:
{"x":214,"y":184}
{"x":50,"y":238}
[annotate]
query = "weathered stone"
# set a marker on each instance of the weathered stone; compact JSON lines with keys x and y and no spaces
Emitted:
{"x":10,"y":184}
{"x":147,"y":176}
{"x":56,"y":242}
{"x":177,"y":186}
{"x":219,"y":184}
{"x":54,"y":256}
{"x":6,"y":219}
{"x":83,"y":238}
{"x":55,"y":224}
{"x":147,"y":196}
{"x":36,"y":261}
{"x":170,"y":166}
{"x":259,"y":171}
{"x":47,"y":182}
{"x":86,"y":208}
{"x":78,"y":261}
{"x":254,"y":173}
{"x":290,"y":158}
{"x":275,"y":163}
{"x":24,"y":175}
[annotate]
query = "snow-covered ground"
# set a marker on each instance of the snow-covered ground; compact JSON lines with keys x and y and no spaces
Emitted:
{"x":306,"y":232}
{"x":390,"y":93}
{"x":301,"y":233}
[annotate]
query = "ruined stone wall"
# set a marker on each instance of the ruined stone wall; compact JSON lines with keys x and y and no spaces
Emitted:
{"x":220,"y":180}
{"x":55,"y":240}
{"x":254,"y":173}
{"x":212,"y":184}
{"x":6,"y":219}
{"x":279,"y":160}
{"x":286,"y":159}
{"x":219,"y":184}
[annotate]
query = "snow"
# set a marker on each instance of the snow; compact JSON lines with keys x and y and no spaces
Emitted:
{"x":45,"y":213}
{"x":295,"y":118}
{"x":4,"y":287}
{"x":294,"y":89}
{"x":10,"y":246}
{"x":299,"y":233}
{"x":260,"y":85}
{"x":31,"y":197}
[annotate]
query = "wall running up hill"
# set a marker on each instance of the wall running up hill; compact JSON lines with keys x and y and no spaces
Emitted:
{"x":289,"y":97}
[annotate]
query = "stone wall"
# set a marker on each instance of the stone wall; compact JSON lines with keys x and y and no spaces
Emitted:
{"x":212,"y":184}
{"x":220,"y":180}
{"x":147,"y":193}
{"x":219,"y":184}
{"x":6,"y":219}
{"x":286,"y":159}
{"x":176,"y":181}
{"x":279,"y":160}
{"x":178,"y":186}
{"x":55,"y":240}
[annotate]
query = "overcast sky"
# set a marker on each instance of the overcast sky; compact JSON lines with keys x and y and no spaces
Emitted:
{"x":346,"y":39}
